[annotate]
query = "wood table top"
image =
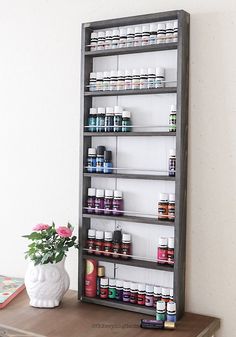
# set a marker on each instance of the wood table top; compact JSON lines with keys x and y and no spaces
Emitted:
{"x":75,"y":319}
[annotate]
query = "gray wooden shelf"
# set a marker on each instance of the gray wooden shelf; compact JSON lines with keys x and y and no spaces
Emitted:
{"x":166,"y":90}
{"x":129,"y":176}
{"x":130,"y":134}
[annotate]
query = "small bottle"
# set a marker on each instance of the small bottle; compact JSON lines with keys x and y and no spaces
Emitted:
{"x":113,"y":80}
{"x":120,"y":80}
{"x":107,"y":165}
{"x":100,"y":274}
{"x":126,"y":248}
{"x":115,"y":38}
{"x":118,"y":110}
{"x":107,"y":245}
{"x":101,"y":41}
{"x":171,"y":251}
{"x":126,"y":121}
{"x":130,"y":37}
{"x":162,"y":251}
{"x":149,"y":295}
{"x":116,"y":244}
{"x":143,"y":78}
{"x":161,"y":311}
{"x":133,"y":293}
{"x":104,"y":288}
{"x":171,"y":207}
{"x":136,"y":79}
{"x":169,"y":32}
{"x":112,"y":288}
{"x":92,"y":120}
{"x":106,"y":81}
{"x":99,"y":202}
{"x":91,"y":200}
{"x":161,"y":33}
{"x":91,"y":160}
{"x":141,"y":294}
{"x":123,"y":38}
{"x":156,"y":295}
{"x":171,"y":312}
{"x":172,"y":163}
{"x":100,"y":159}
{"x":153,"y":33}
{"x":165,"y":295}
{"x":128,"y":79}
{"x":151,"y":78}
{"x":92,"y":81}
{"x":145,"y":35}
{"x":100,"y":120}
{"x":99,"y":81}
{"x":108,"y":39}
{"x":126,"y":291}
{"x":163,"y":207}
{"x":172,"y":119}
{"x":94,"y":41}
{"x":175,"y":31}
{"x":109,"y":119}
{"x":108,"y":202}
{"x":118,"y":204}
{"x":137,"y":36}
{"x":160,"y":78}
{"x":171,"y":294}
{"x":90,"y":244}
{"x":98,"y":243}
{"x":119,"y":290}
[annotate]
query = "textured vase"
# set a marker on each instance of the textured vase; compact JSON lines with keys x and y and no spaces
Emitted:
{"x":46,"y":284}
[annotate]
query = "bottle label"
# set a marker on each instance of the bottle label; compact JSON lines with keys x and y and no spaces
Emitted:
{"x":128,"y":84}
{"x":151,"y":83}
{"x":162,"y":254}
{"x":91,"y":163}
{"x":136,"y":83}
{"x":107,"y":168}
{"x":99,"y":165}
{"x":172,"y":165}
{"x":162,"y":211}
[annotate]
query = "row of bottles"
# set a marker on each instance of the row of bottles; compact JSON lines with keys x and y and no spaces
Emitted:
{"x":99,"y":160}
{"x":166,"y":207}
{"x":165,"y":251}
{"x":106,"y":202}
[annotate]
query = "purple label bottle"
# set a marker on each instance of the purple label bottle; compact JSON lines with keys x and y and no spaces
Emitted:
{"x":108,"y":202}
{"x":119,"y":290}
{"x":99,"y":202}
{"x":172,"y":163}
{"x":118,"y":203}
{"x":91,"y":200}
{"x":126,"y":291}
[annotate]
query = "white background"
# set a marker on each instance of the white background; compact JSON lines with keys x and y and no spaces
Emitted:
{"x":39,"y":134}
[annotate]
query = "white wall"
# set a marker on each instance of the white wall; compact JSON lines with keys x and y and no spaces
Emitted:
{"x":39,"y":138}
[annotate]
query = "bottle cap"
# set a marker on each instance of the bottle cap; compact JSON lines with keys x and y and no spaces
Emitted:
{"x":112,"y":282}
{"x":91,"y":233}
{"x":169,"y":325}
{"x":113,"y":73}
{"x":99,"y":193}
{"x":99,"y":235}
{"x":143,"y":71}
{"x":100,"y":150}
{"x":141,"y":287}
{"x":120,"y":73}
{"x":109,"y":111}
{"x":92,"y":111}
{"x":115,"y":32}
{"x":157,"y":290}
{"x":108,"y":33}
{"x":151,"y":71}
{"x":164,"y":197}
{"x":165,"y":291}
{"x":175,"y":24}
{"x":162,"y":241}
{"x":106,"y":74}
{"x":94,"y":35}
{"x":173,"y":108}
{"x":128,"y":72}
{"x":101,"y":111}
{"x":149,"y":288}
{"x":93,"y":75}
{"x":104,"y":281}
{"x":161,"y":305}
{"x":171,"y":307}
{"x":101,"y":34}
{"x":172,"y":153}
{"x":160,"y":72}
{"x":137,"y":29}
{"x":145,"y":28}
{"x":126,"y":238}
{"x":99,"y":75}
{"x":118,"y":194}
{"x":109,"y":193}
{"x":135,"y":72}
{"x":153,"y":27}
{"x":119,"y":283}
{"x":161,"y":26}
{"x":133,"y":286}
{"x":108,"y":236}
{"x":171,"y":292}
{"x":91,"y":192}
{"x":169,"y":25}
{"x":123,"y":32}
{"x":126,"y":285}
{"x":117,"y":236}
{"x":101,"y":271}
{"x":126,"y":114}
{"x":118,"y":110}
{"x":172,"y":197}
{"x":91,"y":151}
{"x":171,"y":243}
{"x":108,"y":155}
{"x":130,"y":30}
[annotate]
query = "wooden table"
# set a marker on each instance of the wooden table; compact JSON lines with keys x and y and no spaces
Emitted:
{"x":74,"y":319}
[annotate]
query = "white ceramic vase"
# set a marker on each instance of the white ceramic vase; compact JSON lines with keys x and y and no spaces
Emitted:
{"x":46,"y":284}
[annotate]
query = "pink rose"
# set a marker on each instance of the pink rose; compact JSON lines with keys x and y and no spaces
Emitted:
{"x":64,"y":232}
{"x":40,"y":227}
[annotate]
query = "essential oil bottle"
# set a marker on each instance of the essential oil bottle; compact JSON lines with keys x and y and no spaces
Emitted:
{"x":126,"y":121}
{"x":99,"y":202}
{"x":100,"y":159}
{"x":171,"y":251}
{"x":116,"y":244}
{"x":91,"y":161}
{"x":100,"y":120}
{"x":133,"y":293}
{"x":109,"y":119}
{"x":126,"y":246}
{"x":112,"y":288}
{"x":98,"y":243}
{"x":172,"y":119}
{"x":100,"y":275}
{"x":118,"y":204}
{"x":92,"y":120}
{"x":172,"y":163}
{"x":118,"y":110}
{"x":91,"y":200}
{"x":104,"y":288}
{"x":107,"y":245}
{"x":161,"y":311}
{"x":162,"y":251}
{"x":108,"y":202}
{"x":119,"y":290}
{"x":171,"y":207}
{"x":107,"y":165}
{"x":163,"y":207}
{"x":90,"y":245}
{"x":171,"y":312}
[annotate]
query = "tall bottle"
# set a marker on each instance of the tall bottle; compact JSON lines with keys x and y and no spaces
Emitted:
{"x":90,"y":278}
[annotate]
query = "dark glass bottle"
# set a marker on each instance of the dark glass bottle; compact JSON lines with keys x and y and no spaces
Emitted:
{"x":91,"y":200}
{"x":108,"y":202}
{"x":91,"y":161}
{"x":100,"y":159}
{"x":116,"y":244}
{"x":109,"y":119}
{"x":126,"y":121}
